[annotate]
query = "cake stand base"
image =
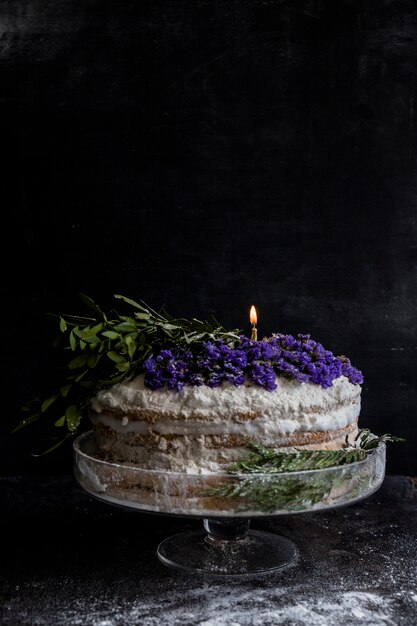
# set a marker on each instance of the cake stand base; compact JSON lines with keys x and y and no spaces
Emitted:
{"x":227,"y":548}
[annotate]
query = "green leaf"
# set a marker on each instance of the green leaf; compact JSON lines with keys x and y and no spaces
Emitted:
{"x":169,"y":327}
{"x":123,"y":367}
{"x":79,"y":361}
{"x":131,"y":302}
{"x":110,"y":334}
{"x":65,"y":389}
{"x":62,"y":325}
{"x":126,"y":327}
{"x":114,"y":356}
{"x":131,"y":347}
{"x":27,"y":421}
{"x":80,"y":376}
{"x":60,"y":422}
{"x":92,"y":305}
{"x":92,"y":360}
{"x":78,"y":332}
{"x":47,"y":403}
{"x":72,"y":339}
{"x":92,"y":331}
{"x":142,"y":316}
{"x":72,"y":417}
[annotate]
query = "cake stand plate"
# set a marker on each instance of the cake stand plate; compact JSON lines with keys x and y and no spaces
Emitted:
{"x":226,"y":503}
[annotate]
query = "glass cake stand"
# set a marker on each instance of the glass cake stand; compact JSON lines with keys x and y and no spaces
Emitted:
{"x":226,"y":503}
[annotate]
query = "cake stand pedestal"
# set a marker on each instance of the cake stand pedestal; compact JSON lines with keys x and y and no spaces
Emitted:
{"x":226,"y":546}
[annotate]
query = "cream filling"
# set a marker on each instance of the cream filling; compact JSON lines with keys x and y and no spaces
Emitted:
{"x":339,"y":417}
{"x":192,"y":456}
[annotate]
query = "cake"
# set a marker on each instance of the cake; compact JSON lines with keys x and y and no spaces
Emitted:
{"x":188,"y":417}
{"x":196,"y":413}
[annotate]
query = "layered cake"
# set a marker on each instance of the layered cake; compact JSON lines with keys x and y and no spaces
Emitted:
{"x":191,"y":418}
{"x":195,"y":412}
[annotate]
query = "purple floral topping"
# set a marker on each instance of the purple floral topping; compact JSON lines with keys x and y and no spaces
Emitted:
{"x":299,"y":358}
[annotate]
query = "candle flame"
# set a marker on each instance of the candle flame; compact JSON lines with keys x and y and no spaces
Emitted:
{"x":253,"y":315}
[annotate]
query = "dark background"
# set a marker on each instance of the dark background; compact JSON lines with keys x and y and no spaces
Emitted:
{"x":208,"y":155}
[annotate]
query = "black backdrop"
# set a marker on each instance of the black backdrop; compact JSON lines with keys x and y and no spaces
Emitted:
{"x":209,"y":155}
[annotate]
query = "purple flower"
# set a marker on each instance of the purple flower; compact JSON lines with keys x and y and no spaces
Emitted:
{"x":263,"y":375}
{"x":299,"y":358}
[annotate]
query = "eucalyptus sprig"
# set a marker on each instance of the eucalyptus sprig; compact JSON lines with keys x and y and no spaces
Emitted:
{"x":252,"y":487}
{"x":103,"y":349}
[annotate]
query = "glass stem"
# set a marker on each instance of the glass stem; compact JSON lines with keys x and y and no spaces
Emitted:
{"x":225,"y":529}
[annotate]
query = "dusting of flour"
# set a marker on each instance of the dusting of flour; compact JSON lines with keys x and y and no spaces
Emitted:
{"x":226,"y":605}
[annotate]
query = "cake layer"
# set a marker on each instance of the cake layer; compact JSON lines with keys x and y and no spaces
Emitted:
{"x":205,"y":453}
{"x":275,"y":425}
{"x":200,"y":428}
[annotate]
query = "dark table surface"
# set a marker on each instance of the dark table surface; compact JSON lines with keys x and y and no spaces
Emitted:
{"x":68,"y":559}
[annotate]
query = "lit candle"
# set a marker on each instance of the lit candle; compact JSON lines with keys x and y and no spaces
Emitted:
{"x":253,"y":319}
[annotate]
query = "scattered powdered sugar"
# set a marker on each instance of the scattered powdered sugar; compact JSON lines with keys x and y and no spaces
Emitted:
{"x":225,"y":605}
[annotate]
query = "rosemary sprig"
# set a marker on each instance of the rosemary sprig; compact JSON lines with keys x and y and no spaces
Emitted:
{"x":252,"y":487}
{"x":265,"y":461}
{"x":103,"y":349}
{"x":266,"y":495}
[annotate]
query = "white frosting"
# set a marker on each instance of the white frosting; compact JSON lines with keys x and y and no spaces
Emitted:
{"x":261,"y":426}
{"x":293,"y":406}
{"x":123,"y":425}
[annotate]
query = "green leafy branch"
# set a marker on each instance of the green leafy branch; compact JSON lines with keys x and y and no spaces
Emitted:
{"x":103,"y":349}
{"x":265,"y":461}
{"x":251,"y":489}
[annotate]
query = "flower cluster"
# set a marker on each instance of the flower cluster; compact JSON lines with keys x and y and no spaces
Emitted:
{"x":299,"y":358}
